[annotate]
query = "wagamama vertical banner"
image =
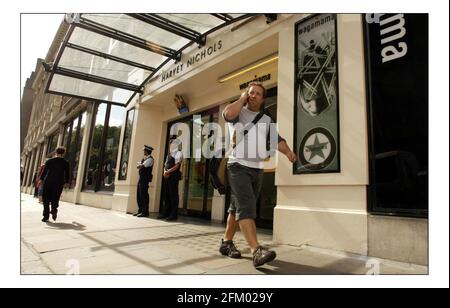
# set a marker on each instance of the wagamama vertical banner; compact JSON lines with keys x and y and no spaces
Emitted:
{"x":316,"y":95}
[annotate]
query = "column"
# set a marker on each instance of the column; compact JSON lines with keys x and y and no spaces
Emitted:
{"x":327,"y":210}
{"x":84,"y":151}
{"x":147,"y":129}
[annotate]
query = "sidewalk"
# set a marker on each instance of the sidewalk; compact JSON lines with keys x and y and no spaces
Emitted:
{"x":88,"y":240}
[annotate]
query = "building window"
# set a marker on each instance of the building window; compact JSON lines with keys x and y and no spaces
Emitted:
{"x":66,"y":134}
{"x":101,"y":166}
{"x":51,"y":144}
{"x":41,"y":153}
{"x":126,"y":145}
{"x":72,"y":138}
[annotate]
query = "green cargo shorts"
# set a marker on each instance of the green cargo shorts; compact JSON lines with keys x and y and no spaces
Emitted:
{"x":245,"y":184}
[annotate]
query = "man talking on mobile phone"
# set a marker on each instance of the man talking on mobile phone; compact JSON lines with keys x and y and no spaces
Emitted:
{"x":246,"y":170}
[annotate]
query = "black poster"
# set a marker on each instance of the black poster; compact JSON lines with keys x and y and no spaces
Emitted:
{"x":316,"y":95}
{"x":397,"y":83}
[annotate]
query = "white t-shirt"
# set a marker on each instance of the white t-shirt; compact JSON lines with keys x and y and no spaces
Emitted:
{"x":251,"y":150}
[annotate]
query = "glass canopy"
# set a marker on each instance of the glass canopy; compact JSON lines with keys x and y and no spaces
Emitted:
{"x":109,"y":57}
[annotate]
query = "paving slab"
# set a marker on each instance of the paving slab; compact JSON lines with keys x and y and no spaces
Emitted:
{"x":89,"y":240}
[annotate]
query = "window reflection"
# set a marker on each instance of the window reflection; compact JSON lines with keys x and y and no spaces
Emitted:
{"x":101,"y":167}
{"x":114,"y":126}
{"x":92,"y":172}
{"x":52,"y":143}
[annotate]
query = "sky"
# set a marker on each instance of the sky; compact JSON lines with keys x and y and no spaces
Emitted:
{"x":37,"y":33}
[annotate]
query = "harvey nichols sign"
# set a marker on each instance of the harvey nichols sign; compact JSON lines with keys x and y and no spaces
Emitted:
{"x":203,"y":54}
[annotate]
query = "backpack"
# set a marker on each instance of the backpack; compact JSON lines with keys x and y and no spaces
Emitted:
{"x":218,"y":163}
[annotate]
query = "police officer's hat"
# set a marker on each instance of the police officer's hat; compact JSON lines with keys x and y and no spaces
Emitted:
{"x":148,"y":148}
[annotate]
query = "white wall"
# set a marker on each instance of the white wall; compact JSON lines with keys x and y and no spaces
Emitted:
{"x":326,"y":210}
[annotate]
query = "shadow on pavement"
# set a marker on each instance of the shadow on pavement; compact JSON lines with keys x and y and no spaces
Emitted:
{"x":65,"y":226}
{"x":289,"y":268}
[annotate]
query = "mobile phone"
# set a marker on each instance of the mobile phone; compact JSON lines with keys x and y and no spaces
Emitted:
{"x":246,"y":100}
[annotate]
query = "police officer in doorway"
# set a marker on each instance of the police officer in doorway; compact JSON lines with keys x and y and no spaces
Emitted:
{"x":172,"y":176}
{"x":145,"y":167}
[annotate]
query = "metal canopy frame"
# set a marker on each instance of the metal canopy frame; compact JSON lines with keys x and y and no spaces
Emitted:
{"x":97,"y":79}
{"x":224,"y":17}
{"x":127,"y":38}
{"x":110,"y":57}
{"x":78,"y":21}
{"x":172,"y":27}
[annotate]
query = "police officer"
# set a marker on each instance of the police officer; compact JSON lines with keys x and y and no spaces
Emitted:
{"x":172,"y":176}
{"x":145,"y":167}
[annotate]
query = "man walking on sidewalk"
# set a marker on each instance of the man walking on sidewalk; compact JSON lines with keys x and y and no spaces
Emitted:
{"x":245,"y":170}
{"x":54,"y":176}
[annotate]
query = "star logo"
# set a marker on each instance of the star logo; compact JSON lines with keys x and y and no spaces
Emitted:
{"x":317,"y":149}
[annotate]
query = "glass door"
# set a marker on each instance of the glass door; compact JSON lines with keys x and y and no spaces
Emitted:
{"x":199,"y":191}
{"x":195,"y":189}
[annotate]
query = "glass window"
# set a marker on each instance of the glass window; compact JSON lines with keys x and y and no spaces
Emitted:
{"x":72,"y":146}
{"x":101,"y":166}
{"x":114,"y":125}
{"x":37,"y":162}
{"x":74,"y":163}
{"x":66,"y":134}
{"x":73,"y":136}
{"x":52,"y":143}
{"x":32,"y":170}
{"x":126,"y":145}
{"x":93,"y":167}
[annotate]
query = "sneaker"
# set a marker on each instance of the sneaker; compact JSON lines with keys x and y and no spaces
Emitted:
{"x":262,"y":255}
{"x":54,"y":216}
{"x":227,"y":248}
{"x":45,"y":219}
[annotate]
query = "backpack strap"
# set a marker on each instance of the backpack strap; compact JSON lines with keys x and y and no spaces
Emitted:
{"x":255,"y":120}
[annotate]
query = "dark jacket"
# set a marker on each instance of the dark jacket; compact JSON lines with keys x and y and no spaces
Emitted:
{"x":56,"y":171}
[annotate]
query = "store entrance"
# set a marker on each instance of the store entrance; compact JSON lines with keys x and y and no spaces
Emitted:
{"x":198,"y":191}
{"x":195,"y":189}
